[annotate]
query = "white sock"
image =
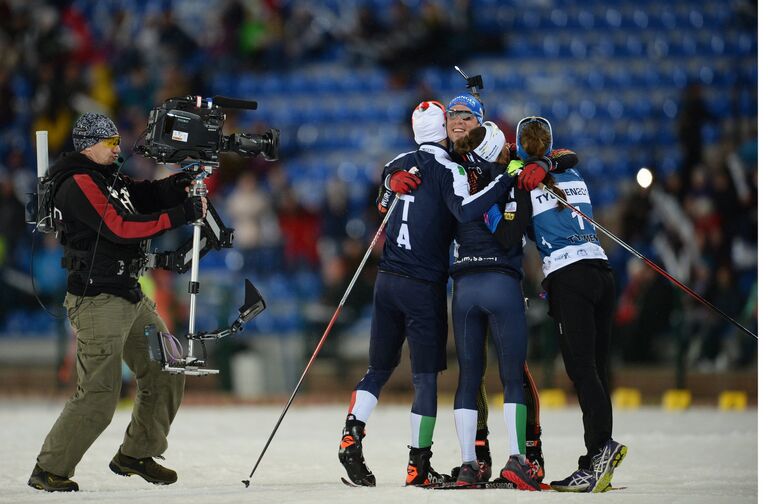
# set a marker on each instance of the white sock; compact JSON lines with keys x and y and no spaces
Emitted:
{"x":515,"y":417}
{"x":362,"y":404}
{"x":466,"y":429}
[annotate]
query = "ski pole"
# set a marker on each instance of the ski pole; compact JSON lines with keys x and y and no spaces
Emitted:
{"x":650,"y":263}
{"x":247,"y":482}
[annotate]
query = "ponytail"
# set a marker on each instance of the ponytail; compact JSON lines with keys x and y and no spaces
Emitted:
{"x":535,"y":139}
{"x":549,"y":183}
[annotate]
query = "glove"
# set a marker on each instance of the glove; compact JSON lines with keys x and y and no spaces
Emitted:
{"x":193,"y":208}
{"x":180,"y":181}
{"x":402,"y":182}
{"x":533,"y":173}
{"x":514,"y":167}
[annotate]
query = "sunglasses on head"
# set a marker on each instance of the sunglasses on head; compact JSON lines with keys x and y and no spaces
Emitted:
{"x":535,"y":119}
{"x":461,"y":114}
{"x":111,"y":141}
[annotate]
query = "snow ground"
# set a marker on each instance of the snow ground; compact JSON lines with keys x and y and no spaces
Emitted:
{"x":696,"y":456}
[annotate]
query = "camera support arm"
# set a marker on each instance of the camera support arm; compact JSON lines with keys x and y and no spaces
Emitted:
{"x":215,"y":236}
{"x":169,"y":354}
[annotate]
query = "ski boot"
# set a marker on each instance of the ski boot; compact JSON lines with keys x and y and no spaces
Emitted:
{"x":43,"y":480}
{"x":603,"y":464}
{"x":535,"y":458}
{"x":469,"y":474}
{"x":519,"y":472}
{"x":420,"y":471}
{"x":483,"y":454}
{"x":351,"y":453}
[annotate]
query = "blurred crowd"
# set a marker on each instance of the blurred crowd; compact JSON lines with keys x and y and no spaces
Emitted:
{"x":700,"y":224}
{"x":63,"y":58}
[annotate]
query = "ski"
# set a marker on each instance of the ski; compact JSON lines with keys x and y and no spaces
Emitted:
{"x":350,"y":484}
{"x":490,"y":485}
{"x":474,"y":486}
{"x":480,"y":485}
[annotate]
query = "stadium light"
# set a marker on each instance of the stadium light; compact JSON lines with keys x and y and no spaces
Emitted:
{"x":644,"y":177}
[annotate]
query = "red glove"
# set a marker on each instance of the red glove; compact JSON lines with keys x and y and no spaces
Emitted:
{"x":533,"y":173}
{"x":402,"y":182}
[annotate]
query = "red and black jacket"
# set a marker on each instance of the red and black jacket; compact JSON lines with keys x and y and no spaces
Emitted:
{"x":95,"y":200}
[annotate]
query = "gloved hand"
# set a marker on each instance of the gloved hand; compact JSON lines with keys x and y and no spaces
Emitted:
{"x":402,"y":182}
{"x":180,"y":181}
{"x":194,"y":208}
{"x":514,"y":167}
{"x":533,"y":173}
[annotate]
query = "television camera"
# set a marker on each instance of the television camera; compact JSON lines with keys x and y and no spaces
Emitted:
{"x":190,"y":127}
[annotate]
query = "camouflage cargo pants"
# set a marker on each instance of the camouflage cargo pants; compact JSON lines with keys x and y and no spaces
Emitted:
{"x":109,"y":330}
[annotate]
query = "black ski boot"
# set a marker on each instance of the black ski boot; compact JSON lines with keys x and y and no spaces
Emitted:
{"x":483,"y":452}
{"x":535,"y":458}
{"x":147,"y":468}
{"x":43,"y":480}
{"x":420,"y":471}
{"x":351,"y":453}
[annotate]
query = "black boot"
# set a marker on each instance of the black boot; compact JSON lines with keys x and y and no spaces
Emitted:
{"x":43,"y":480}
{"x":420,"y":470}
{"x":535,"y":458}
{"x":483,"y":452}
{"x":146,"y":467}
{"x":351,"y":453}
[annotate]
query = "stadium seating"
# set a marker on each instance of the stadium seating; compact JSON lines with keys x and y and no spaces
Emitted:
{"x":610,"y":76}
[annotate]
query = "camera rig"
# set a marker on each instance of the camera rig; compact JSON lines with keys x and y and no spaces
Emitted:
{"x":209,"y":233}
{"x":190,"y":128}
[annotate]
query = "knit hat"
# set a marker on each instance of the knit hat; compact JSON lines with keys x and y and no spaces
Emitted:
{"x":471,"y":103}
{"x":90,"y":129}
{"x":492,"y":144}
{"x":428,"y":121}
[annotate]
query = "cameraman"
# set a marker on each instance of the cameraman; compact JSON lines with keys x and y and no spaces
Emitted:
{"x":104,"y":220}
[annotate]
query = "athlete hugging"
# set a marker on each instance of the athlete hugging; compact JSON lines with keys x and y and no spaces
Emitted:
{"x":465,"y":183}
